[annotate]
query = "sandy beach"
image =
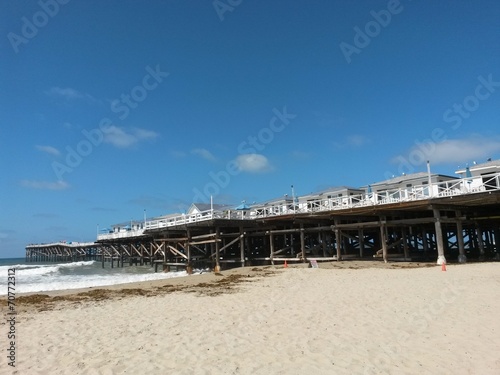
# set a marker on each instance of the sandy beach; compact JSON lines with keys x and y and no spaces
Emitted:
{"x":343,"y":318}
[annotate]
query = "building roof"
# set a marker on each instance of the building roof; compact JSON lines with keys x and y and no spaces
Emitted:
{"x":490,"y":165}
{"x":332,"y":189}
{"x":281,"y":199}
{"x":410,"y":177}
{"x":208,"y":206}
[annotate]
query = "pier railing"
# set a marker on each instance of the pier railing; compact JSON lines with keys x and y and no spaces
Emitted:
{"x":63,"y":244}
{"x":468,"y":185}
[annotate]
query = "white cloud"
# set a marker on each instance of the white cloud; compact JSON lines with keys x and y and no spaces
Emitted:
{"x":354,"y":140}
{"x":69,"y":125}
{"x":357,"y":140}
{"x":253,"y":163}
{"x":122,"y":138}
{"x":204,"y":153}
{"x":45,"y":185}
{"x":49,"y":150}
{"x":68,"y":93}
{"x":458,"y":150}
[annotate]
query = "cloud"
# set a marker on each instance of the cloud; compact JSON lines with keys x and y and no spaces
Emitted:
{"x":49,"y":150}
{"x":45,"y":185}
{"x":122,"y":138}
{"x":253,"y":163}
{"x":456,"y":150}
{"x":6,"y":233}
{"x":204,"y":153}
{"x":69,"y":94}
{"x":354,"y":140}
{"x":357,"y":140}
{"x":69,"y":125}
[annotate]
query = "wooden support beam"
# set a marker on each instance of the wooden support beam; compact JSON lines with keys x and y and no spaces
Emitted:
{"x":462,"y":258}
{"x":302,"y":243}
{"x":208,"y":235}
{"x":217,"y":248}
{"x":276,"y":252}
{"x":323,"y":242}
{"x":173,"y":250}
{"x":425,"y":242}
{"x":383,"y":238}
{"x":230,"y":243}
{"x":405,"y":243}
{"x":480,"y":242}
{"x":271,"y":247}
{"x":361,"y":241}
{"x":297,"y":230}
{"x":159,"y":248}
{"x":439,"y":236}
{"x":176,"y":239}
{"x":207,"y":241}
{"x":242,"y":247}
{"x":187,"y":248}
{"x":124,"y":249}
{"x":338,"y":240}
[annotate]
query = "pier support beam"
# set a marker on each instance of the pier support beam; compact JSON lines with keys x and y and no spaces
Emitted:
{"x":404,"y":236}
{"x":338,"y":241}
{"x":361,"y":241}
{"x":271,"y":247}
{"x":189,"y":263}
{"x":242,"y":247}
{"x":323,"y":243}
{"x":460,"y":239}
{"x":480,"y":242}
{"x":217,"y":248}
{"x":439,"y":237}
{"x":383,"y":238}
{"x":302,"y":243}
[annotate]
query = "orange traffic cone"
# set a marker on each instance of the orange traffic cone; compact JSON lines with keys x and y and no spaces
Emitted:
{"x":286,"y":264}
{"x":443,"y":266}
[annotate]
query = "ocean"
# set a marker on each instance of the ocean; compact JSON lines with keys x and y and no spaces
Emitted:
{"x":41,"y":277}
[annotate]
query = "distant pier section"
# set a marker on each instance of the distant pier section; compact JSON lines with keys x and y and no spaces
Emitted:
{"x":419,"y":216}
{"x":63,"y":252}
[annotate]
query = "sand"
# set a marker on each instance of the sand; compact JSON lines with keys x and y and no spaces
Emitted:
{"x":347,"y":318}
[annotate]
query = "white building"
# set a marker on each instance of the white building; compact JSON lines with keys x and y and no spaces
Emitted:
{"x":484,"y":176}
{"x":412,"y":186}
{"x":330,"y":198}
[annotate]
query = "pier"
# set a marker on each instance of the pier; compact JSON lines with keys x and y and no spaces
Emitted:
{"x":445,"y":219}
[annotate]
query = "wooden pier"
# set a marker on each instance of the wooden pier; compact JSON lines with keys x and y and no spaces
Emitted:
{"x":452,"y":223}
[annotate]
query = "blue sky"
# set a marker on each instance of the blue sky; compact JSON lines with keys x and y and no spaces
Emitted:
{"x":113,"y":107}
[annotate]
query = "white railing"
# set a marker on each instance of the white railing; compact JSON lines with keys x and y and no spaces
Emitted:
{"x":120,"y":234}
{"x":65,"y":244}
{"x":449,"y":188}
{"x":179,"y":220}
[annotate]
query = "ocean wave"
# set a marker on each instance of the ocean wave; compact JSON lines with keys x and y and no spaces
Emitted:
{"x":40,"y":269}
{"x":77,"y":282}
